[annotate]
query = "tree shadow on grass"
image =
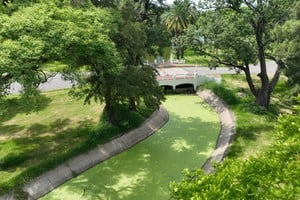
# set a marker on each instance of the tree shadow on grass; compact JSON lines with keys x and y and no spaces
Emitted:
{"x":144,"y":171}
{"x":43,"y":143}
{"x":247,"y":133}
{"x":10,"y":107}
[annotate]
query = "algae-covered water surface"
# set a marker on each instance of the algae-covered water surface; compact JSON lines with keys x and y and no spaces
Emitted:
{"x":145,"y":170}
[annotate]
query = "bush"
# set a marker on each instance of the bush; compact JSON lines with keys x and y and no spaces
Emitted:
{"x":274,"y":174}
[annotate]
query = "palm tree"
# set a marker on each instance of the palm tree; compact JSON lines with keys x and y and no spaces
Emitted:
{"x":177,"y":18}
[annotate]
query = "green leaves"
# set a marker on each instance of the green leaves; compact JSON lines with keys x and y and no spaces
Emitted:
{"x":287,"y":45}
{"x":274,"y":174}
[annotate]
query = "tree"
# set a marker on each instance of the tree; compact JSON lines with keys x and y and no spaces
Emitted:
{"x":92,"y":57}
{"x":23,"y":50}
{"x":131,"y":43}
{"x":274,"y":174}
{"x":288,"y":44}
{"x":90,"y":41}
{"x":237,"y":33}
{"x":69,"y":35}
{"x":181,"y":14}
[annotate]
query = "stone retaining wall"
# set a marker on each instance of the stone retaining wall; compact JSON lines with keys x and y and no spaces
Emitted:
{"x":75,"y":166}
{"x":227,"y":131}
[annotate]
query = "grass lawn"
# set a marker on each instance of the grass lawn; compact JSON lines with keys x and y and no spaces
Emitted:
{"x":201,"y":61}
{"x":255,"y":127}
{"x":144,"y":171}
{"x":39,"y":138}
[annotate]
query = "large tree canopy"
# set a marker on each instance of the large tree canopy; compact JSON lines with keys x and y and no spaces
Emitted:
{"x":98,"y":46}
{"x":237,"y":33}
{"x":43,"y":32}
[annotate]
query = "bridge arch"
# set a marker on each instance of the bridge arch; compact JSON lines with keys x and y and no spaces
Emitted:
{"x":185,"y":87}
{"x":167,"y":88}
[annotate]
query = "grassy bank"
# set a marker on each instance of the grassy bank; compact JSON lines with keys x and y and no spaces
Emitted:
{"x":145,"y":170}
{"x":255,"y":126}
{"x":36,"y":138}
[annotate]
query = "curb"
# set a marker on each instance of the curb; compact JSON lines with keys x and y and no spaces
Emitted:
{"x":227,"y":131}
{"x":78,"y":164}
{"x":74,"y":166}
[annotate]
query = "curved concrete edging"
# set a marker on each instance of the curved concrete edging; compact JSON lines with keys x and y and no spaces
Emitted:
{"x":74,"y":166}
{"x":227,"y":131}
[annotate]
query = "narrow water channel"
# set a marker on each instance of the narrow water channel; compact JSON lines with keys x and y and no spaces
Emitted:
{"x":144,"y":171}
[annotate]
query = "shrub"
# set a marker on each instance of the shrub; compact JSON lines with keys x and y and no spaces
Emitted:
{"x":274,"y":174}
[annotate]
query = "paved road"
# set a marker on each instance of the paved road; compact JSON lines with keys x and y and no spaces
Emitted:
{"x":254,"y":69}
{"x":53,"y":83}
{"x":57,"y":82}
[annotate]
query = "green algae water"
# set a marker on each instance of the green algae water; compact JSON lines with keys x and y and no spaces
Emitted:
{"x":145,"y":170}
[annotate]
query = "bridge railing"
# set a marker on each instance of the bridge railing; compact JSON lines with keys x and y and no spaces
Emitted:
{"x":176,"y":76}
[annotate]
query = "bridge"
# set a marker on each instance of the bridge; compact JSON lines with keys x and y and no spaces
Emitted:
{"x":171,"y":78}
{"x":175,"y":78}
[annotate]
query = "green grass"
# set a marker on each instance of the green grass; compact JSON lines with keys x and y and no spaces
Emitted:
{"x":199,"y":60}
{"x":191,"y":57}
{"x":255,"y":129}
{"x":53,"y":66}
{"x":144,"y":171}
{"x":36,"y":138}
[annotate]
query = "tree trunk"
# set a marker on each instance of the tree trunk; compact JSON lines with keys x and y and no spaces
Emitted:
{"x":250,"y":81}
{"x":110,"y":112}
{"x":132,"y":104}
{"x":177,"y":54}
{"x":110,"y":109}
{"x":182,"y":53}
{"x":263,"y":98}
{"x":264,"y":93}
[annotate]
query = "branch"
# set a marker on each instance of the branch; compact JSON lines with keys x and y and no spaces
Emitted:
{"x":280,"y":66}
{"x":250,"y":81}
{"x":229,"y":64}
{"x":269,"y":56}
{"x":250,"y":6}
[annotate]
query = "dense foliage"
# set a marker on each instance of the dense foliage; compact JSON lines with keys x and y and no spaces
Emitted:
{"x":181,"y":14}
{"x":239,"y":33}
{"x":97,"y":45}
{"x":288,"y":44}
{"x":274,"y":174}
